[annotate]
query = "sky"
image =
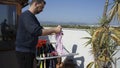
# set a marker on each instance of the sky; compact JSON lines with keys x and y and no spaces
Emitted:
{"x":72,"y":11}
{"x":81,"y":11}
{"x":69,"y":11}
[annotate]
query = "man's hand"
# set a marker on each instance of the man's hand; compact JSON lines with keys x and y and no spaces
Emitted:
{"x":58,"y":29}
{"x":50,"y":31}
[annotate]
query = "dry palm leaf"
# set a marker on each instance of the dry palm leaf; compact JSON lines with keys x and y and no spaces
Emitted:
{"x":103,"y":38}
{"x":115,"y":35}
{"x":99,"y":35}
{"x":112,"y":12}
{"x":115,"y":31}
{"x":118,"y":12}
{"x":90,"y":65}
{"x":96,"y":34}
{"x":115,"y":38}
{"x":102,"y":56}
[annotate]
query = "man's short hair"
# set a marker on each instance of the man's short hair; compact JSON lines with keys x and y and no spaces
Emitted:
{"x":38,"y":1}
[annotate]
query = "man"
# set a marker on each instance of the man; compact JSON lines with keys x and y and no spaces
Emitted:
{"x":28,"y":31}
{"x":4,"y":28}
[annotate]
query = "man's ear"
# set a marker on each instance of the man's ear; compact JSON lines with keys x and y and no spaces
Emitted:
{"x":35,"y":3}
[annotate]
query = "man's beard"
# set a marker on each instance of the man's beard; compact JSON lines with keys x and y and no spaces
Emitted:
{"x":38,"y":11}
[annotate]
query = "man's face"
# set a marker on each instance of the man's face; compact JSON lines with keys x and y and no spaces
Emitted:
{"x":39,"y":7}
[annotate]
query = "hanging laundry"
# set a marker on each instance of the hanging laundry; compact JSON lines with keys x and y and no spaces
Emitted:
{"x":59,"y":44}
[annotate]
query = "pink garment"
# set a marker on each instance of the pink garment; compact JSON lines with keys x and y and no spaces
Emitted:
{"x":59,"y":44}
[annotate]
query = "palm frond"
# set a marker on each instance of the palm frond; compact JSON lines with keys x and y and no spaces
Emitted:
{"x":118,"y":12}
{"x":112,"y":12}
{"x":96,"y":34}
{"x":90,"y":65}
{"x":90,"y":31}
{"x":118,"y":58}
{"x":115,"y":53}
{"x":87,"y":43}
{"x":96,"y":65}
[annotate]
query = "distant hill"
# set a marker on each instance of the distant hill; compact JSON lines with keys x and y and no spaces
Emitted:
{"x":66,"y":23}
{"x":75,"y":23}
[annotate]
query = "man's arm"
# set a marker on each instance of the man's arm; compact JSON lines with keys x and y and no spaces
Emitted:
{"x":51,"y":30}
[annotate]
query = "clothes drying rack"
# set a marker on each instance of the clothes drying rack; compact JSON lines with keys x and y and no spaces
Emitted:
{"x":51,"y":57}
{"x":69,"y":54}
{"x":65,"y":55}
